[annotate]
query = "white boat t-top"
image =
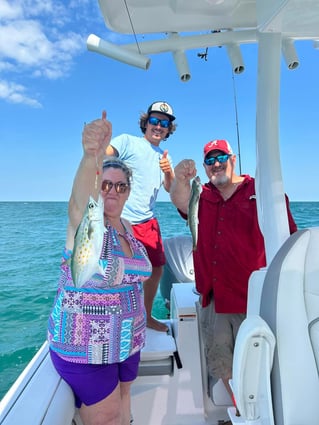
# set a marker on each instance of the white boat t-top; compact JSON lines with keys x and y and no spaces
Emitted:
{"x":276,"y":360}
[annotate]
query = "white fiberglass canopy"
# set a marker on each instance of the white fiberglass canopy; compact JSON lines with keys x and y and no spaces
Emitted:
{"x":180,"y":25}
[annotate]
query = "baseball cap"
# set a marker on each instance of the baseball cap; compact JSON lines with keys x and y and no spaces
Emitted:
{"x":163,"y":108}
{"x":218,"y":145}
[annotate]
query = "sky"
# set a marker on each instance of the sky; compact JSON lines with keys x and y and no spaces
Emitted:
{"x":50,"y":85}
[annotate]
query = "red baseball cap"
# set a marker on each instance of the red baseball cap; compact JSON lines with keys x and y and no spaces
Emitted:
{"x":218,"y":145}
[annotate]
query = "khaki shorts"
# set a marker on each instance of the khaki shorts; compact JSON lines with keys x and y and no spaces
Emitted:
{"x":220,"y":331}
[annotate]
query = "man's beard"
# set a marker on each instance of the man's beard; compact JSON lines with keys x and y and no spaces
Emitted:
{"x":220,"y":180}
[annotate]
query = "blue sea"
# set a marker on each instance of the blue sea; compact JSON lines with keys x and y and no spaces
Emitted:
{"x":32,"y":238}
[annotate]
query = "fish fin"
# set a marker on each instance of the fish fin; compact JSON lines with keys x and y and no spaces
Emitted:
{"x":90,"y":229}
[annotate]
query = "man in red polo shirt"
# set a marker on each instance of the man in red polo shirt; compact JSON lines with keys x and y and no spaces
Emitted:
{"x":230,"y":245}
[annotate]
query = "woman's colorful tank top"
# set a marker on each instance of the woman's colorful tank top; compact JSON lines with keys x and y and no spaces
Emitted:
{"x":103,"y":321}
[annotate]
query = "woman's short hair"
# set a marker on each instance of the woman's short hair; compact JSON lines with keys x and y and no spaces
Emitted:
{"x":114,"y":162}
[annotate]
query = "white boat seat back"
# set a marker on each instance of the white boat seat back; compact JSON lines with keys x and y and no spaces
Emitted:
{"x":179,"y":266}
{"x":290,"y":306}
{"x":157,"y":356}
{"x":158,"y":345}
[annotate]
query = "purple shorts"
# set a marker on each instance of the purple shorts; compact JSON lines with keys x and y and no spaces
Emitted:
{"x":149,"y":234}
{"x":92,"y":383}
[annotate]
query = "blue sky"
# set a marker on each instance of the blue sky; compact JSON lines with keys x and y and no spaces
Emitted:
{"x":50,"y":85}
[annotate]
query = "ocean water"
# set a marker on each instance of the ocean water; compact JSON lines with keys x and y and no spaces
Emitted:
{"x":32,"y":238}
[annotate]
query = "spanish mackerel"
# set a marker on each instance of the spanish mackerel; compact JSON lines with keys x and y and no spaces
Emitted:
{"x":88,"y":242}
{"x":192,"y":215}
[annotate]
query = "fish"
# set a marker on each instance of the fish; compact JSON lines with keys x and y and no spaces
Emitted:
{"x":192,"y":214}
{"x":88,"y":242}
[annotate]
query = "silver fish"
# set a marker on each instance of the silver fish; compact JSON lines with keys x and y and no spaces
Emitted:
{"x":88,"y":242}
{"x":192,"y":215}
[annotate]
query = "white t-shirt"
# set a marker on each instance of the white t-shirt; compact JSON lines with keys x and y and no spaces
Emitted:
{"x":143,"y":159}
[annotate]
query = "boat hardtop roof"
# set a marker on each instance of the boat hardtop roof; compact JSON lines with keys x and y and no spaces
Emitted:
{"x":292,"y":18}
{"x":177,"y":26}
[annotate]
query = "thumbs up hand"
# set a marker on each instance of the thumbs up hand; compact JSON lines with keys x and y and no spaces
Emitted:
{"x":164,"y":163}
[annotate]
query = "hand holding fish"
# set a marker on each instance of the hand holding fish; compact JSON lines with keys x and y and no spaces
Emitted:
{"x":185,"y":170}
{"x":87,"y":182}
{"x":180,"y":190}
{"x":96,"y":136}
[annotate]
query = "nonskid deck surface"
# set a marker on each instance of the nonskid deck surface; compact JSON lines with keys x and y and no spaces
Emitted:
{"x":180,"y":398}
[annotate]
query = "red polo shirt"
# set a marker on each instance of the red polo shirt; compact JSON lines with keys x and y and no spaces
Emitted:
{"x":230,"y":246}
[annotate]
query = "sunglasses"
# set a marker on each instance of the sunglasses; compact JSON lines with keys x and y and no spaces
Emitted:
{"x":120,"y":187}
{"x":213,"y":159}
{"x":155,"y":121}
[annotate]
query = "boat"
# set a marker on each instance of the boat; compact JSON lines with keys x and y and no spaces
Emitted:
{"x":276,"y":360}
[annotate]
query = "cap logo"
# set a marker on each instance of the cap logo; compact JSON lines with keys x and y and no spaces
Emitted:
{"x":164,"y":107}
{"x":220,"y":145}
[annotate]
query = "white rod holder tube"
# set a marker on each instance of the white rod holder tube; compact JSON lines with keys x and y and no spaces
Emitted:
{"x":181,"y":63}
{"x":289,"y":53}
{"x":96,"y":44}
{"x":235,"y":58}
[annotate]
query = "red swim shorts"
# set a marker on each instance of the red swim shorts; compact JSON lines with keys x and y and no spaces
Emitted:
{"x":149,"y":234}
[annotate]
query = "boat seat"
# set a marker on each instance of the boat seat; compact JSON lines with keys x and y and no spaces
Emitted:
{"x":276,"y":358}
{"x":39,"y":396}
{"x":157,"y":356}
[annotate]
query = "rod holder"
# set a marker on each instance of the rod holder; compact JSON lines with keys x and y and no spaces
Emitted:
{"x":235,"y":58}
{"x":289,"y":53}
{"x":181,"y":63}
{"x":113,"y":51}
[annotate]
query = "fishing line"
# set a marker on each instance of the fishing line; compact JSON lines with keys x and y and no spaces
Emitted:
{"x":236,"y":117}
{"x":205,"y":57}
{"x":131,"y":22}
{"x":97,"y":173}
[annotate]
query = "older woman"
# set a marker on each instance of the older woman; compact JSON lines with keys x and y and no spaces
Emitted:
{"x":97,"y":327}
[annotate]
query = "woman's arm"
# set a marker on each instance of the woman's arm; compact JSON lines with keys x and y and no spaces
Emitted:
{"x":87,"y":182}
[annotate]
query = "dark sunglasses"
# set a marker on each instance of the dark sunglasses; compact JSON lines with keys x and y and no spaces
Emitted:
{"x":155,"y":121}
{"x":120,"y":187}
{"x":213,"y":159}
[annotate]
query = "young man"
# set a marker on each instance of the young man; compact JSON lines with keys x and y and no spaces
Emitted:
{"x":230,"y":246}
{"x":152,"y":168}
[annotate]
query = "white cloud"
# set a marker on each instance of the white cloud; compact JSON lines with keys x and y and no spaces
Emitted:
{"x":10,"y":11}
{"x":41,"y":39}
{"x":15,"y":93}
{"x":25,"y":43}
